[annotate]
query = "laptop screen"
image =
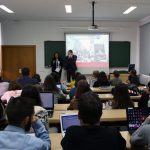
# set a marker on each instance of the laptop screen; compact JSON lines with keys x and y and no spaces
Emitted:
{"x":136,"y":117}
{"x":69,"y":120}
{"x":47,"y":99}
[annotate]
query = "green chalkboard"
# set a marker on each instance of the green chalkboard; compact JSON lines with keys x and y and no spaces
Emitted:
{"x":50,"y":47}
{"x":119,"y":52}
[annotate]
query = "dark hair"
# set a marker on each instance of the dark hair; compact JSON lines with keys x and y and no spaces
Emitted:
{"x":77,"y":74}
{"x":133,"y":72}
{"x":18,"y":109}
{"x":102,"y":76}
{"x":38,"y":87}
{"x":90,"y":108}
{"x":79,"y":77}
{"x":55,"y":54}
{"x":32,"y":92}
{"x":70,"y":51}
{"x":96,"y":73}
{"x":37,"y":77}
{"x":13,"y":85}
{"x":25,"y":71}
{"x":56,"y":77}
{"x":116,"y":74}
{"x":82,"y":87}
{"x":121,"y":96}
{"x":50,"y":84}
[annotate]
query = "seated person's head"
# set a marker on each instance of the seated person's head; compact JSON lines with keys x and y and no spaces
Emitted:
{"x":82,"y":87}
{"x":79,"y":77}
{"x":37,"y":77}
{"x":102,"y":76}
{"x":56,"y":77}
{"x":50,"y":84}
{"x":25,"y":71}
{"x":31,"y":91}
{"x":19,"y":112}
{"x":96,"y":74}
{"x":13,"y":85}
{"x":90,"y":109}
{"x":77,"y":74}
{"x":116,"y":74}
{"x":133,"y":72}
{"x":121,"y":96}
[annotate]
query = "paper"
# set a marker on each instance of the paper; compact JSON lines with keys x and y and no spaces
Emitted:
{"x":57,"y":69}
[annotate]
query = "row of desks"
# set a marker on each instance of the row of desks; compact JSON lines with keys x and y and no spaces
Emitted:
{"x":57,"y":137}
{"x":105,"y":90}
{"x":112,"y":115}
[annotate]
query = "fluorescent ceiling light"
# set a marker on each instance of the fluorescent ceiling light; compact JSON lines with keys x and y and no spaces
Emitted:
{"x":6,"y":9}
{"x":129,"y":9}
{"x":68,"y":8}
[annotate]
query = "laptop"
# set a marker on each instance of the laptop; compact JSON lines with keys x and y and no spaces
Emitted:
{"x":67,"y":120}
{"x":135,"y":117}
{"x":47,"y":99}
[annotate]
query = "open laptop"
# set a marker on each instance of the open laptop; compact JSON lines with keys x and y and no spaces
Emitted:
{"x":47,"y":99}
{"x":67,"y":120}
{"x":135,"y":117}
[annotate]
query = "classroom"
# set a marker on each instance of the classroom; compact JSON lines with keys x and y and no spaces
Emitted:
{"x":32,"y":31}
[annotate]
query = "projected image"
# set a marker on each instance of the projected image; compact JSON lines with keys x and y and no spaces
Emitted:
{"x":92,"y":50}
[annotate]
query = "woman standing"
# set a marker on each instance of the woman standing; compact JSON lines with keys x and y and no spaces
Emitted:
{"x":56,"y":64}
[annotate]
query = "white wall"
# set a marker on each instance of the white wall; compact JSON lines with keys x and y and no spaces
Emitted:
{"x":145,"y":49}
{"x":36,"y":32}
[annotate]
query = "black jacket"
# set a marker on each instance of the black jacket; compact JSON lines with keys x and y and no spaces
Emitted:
{"x":71,"y":63}
{"x":53,"y":64}
{"x":92,"y":138}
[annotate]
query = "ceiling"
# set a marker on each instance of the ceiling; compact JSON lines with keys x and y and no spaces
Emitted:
{"x":55,"y":10}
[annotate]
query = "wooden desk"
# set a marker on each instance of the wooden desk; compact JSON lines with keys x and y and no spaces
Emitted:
{"x":100,"y":90}
{"x":60,"y":107}
{"x":112,"y":115}
{"x":57,"y":137}
{"x":106,"y":97}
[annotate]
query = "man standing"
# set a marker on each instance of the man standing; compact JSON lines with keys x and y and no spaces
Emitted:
{"x":20,"y":115}
{"x":71,"y":65}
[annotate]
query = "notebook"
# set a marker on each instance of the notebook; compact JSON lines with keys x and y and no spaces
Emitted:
{"x":135,"y":117}
{"x":67,"y":120}
{"x":47,"y":99}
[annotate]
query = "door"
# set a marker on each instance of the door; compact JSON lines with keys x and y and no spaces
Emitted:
{"x":15,"y":57}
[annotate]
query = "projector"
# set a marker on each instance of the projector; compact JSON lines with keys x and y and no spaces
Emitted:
{"x":93,"y":27}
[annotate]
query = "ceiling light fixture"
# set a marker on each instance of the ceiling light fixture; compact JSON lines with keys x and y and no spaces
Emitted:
{"x":6,"y":9}
{"x":68,"y":8}
{"x":130,"y":9}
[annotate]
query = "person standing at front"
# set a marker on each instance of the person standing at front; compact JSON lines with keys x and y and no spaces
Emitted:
{"x":71,"y":65}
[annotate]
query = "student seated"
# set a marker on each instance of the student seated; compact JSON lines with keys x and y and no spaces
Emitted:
{"x":25,"y":79}
{"x":82,"y":87}
{"x":140,"y":137}
{"x":121,"y":98}
{"x":116,"y":80}
{"x":133,"y":78}
{"x":143,"y":102}
{"x":31,"y":91}
{"x":91,"y":135}
{"x":102,"y":80}
{"x":20,"y":114}
{"x":3,"y":86}
{"x":14,"y":90}
{"x":73,"y":90}
{"x":50,"y":86}
{"x":94,"y":77}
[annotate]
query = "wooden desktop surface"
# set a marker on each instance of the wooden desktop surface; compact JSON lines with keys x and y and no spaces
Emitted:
{"x":111,"y":115}
{"x":57,"y":137}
